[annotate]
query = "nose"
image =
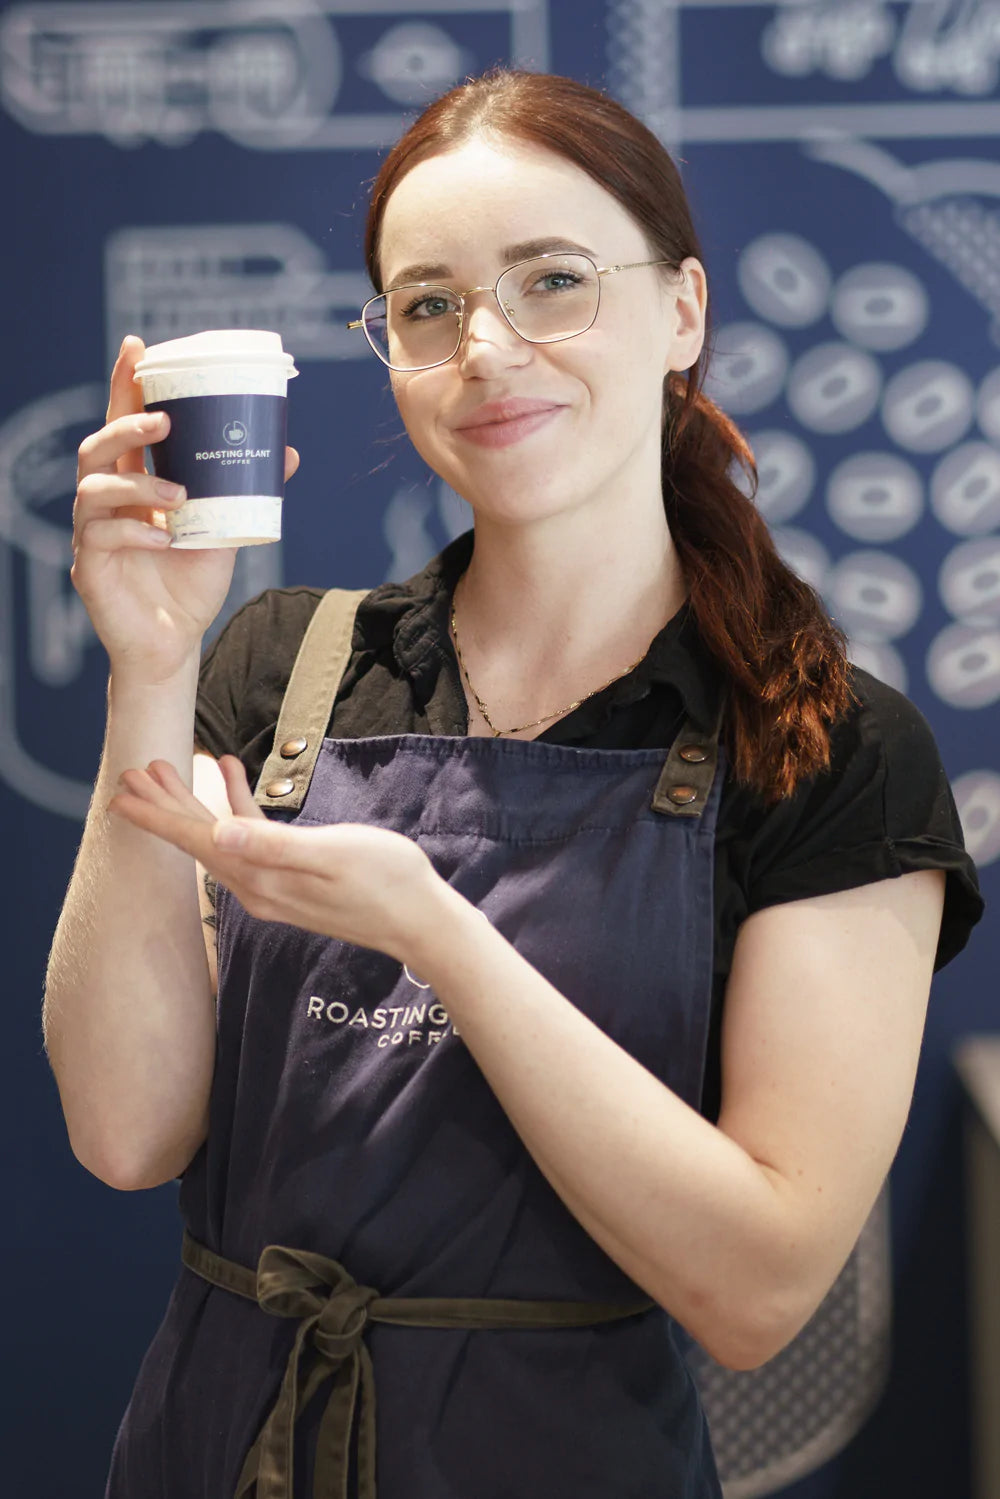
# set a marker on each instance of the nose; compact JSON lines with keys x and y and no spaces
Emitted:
{"x":487,"y":338}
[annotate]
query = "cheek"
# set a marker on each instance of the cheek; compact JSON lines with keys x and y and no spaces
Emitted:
{"x":417,"y":405}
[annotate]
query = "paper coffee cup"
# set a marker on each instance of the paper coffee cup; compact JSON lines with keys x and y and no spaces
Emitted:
{"x":226,"y":393}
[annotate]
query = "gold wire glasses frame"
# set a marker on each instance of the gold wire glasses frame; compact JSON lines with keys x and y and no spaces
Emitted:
{"x":608,"y":270}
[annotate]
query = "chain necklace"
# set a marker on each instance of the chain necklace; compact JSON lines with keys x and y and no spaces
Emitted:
{"x":546,"y":717}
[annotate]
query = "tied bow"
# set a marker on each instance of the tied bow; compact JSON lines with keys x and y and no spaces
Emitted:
{"x":332,"y":1310}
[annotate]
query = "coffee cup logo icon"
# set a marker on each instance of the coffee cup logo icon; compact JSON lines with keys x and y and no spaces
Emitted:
{"x":235,"y":434}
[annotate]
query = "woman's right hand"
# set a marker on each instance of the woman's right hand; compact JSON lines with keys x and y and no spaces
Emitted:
{"x":149,"y":602}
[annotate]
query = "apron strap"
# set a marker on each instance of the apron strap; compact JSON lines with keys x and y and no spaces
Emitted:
{"x":681,"y":791}
{"x":689,"y":770}
{"x":308,"y":702}
{"x":332,"y":1311}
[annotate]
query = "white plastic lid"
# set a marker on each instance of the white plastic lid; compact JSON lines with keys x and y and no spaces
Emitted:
{"x":218,"y":346}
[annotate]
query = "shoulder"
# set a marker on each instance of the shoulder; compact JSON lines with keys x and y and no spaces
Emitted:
{"x":246,"y":666}
{"x":271,"y":620}
{"x":882,"y":808}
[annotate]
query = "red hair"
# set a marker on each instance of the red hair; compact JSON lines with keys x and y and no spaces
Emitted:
{"x":783,"y":659}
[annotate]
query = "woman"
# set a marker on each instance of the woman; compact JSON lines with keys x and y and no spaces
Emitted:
{"x":664,"y":1080}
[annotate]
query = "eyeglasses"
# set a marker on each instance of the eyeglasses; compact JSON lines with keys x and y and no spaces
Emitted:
{"x":545,"y":300}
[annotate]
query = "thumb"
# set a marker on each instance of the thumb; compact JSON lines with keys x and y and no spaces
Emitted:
{"x":254,"y":840}
{"x":125,"y":396}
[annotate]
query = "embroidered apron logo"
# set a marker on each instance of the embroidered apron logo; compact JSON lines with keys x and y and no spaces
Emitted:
{"x":423,"y":1024}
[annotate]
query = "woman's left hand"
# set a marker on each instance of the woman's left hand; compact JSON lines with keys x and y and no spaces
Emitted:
{"x":358,"y":883}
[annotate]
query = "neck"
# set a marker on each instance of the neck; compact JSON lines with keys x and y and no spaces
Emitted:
{"x":549,"y":610}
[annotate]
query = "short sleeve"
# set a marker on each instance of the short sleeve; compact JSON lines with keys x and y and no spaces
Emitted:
{"x":245,"y":670}
{"x":885,"y":807}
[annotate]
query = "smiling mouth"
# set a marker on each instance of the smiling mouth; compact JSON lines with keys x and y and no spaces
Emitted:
{"x":503,"y":431}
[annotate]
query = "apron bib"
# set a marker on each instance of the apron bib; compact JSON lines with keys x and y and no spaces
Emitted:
{"x":359,"y":1174}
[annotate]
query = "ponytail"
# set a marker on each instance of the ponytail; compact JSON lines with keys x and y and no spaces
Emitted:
{"x":784,"y":659}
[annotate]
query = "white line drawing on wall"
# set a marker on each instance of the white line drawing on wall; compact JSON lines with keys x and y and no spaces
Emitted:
{"x":977,"y":797}
{"x":165,"y":281}
{"x":405,"y":530}
{"x":786,"y":474}
{"x":413,"y":60}
{"x":37,"y":469}
{"x":965,"y":489}
{"x":418,"y":521}
{"x":969,"y":582}
{"x":266,"y":76}
{"x":842,"y":40}
{"x":876,"y":595}
{"x":950,"y":44}
{"x":875,"y":497}
{"x":963,"y":665}
{"x":645,"y":72}
{"x":785,"y":279}
{"x":951,"y":208}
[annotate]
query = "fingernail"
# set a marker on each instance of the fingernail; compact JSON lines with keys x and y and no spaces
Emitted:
{"x":229,"y":835}
{"x":168,"y":491}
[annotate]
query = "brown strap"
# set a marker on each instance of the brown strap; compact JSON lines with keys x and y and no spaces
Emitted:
{"x":681,"y":790}
{"x":333,"y":1311}
{"x":308,"y":702}
{"x":689,"y":770}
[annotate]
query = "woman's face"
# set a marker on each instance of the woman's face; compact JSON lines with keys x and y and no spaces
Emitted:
{"x":596,"y":434}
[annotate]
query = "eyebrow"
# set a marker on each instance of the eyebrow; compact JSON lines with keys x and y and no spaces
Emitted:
{"x":511,"y":254}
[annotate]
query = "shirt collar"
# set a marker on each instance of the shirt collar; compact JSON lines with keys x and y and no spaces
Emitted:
{"x":413,"y":615}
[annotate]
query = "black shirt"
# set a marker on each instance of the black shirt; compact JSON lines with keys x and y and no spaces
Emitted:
{"x":883,"y":808}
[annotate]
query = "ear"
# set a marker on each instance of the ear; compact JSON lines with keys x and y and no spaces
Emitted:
{"x":687,"y":316}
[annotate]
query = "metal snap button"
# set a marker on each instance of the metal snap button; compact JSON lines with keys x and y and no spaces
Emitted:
{"x":693,"y":753}
{"x":682,"y":795}
{"x":280,"y":787}
{"x":293,"y":747}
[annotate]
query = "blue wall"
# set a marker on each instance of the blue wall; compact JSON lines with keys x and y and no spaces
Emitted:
{"x":177,"y":166}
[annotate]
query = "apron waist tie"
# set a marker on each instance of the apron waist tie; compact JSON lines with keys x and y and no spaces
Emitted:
{"x":333,"y":1311}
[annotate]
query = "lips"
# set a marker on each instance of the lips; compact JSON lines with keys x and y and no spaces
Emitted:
{"x":494,"y":413}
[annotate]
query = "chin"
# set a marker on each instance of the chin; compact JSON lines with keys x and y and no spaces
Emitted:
{"x":524,"y":508}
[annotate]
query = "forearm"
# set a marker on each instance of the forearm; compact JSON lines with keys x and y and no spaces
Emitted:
{"x":128,"y":1015}
{"x":681,"y":1207}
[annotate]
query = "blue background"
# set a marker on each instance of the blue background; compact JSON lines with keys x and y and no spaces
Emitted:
{"x":93,"y":153}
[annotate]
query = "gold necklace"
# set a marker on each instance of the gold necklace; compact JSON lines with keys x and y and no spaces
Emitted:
{"x":545,"y":716}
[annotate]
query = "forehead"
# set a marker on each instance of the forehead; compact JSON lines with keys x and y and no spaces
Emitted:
{"x":468,"y":204}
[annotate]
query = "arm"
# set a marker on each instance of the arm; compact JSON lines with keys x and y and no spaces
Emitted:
{"x":737,"y":1229}
{"x":128,"y":1016}
{"x":740,"y":1229}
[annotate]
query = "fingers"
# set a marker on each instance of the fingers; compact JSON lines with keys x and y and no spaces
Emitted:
{"x":164,"y":776}
{"x":174,"y":815}
{"x":125,"y":396}
{"x":161,"y":786}
{"x":113,"y":448}
{"x":189,"y":834}
{"x":291,"y":462}
{"x":105,"y":495}
{"x":264,"y":842}
{"x":241,"y":798}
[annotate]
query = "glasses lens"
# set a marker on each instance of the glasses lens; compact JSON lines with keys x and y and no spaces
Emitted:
{"x":414,"y":326}
{"x":551,"y":297}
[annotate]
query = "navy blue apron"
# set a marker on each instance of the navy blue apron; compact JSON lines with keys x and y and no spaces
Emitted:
{"x":349,"y":1120}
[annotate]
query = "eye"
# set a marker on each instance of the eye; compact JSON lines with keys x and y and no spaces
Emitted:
{"x":429,"y":306}
{"x":553,"y":281}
